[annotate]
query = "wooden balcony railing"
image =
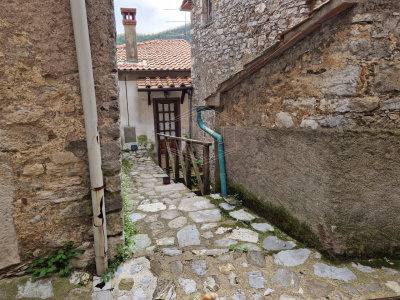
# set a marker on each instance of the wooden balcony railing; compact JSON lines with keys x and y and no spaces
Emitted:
{"x":184,"y":160}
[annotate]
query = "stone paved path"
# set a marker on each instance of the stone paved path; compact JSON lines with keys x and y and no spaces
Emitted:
{"x":183,"y":251}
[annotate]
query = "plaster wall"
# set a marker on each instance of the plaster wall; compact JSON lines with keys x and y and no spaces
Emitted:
{"x":141,"y":115}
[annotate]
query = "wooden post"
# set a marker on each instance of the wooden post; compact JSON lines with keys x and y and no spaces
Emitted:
{"x":176,"y":161}
{"x":166,"y":158}
{"x":188,"y":173}
{"x":159,"y":156}
{"x":206,"y":170}
{"x":170,"y":154}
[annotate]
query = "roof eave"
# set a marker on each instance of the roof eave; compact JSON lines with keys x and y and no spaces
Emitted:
{"x":186,"y":5}
{"x":182,"y":88}
{"x":154,"y":70}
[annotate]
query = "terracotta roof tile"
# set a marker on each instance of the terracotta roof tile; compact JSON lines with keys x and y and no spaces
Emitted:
{"x":158,"y":55}
{"x":163,"y":82}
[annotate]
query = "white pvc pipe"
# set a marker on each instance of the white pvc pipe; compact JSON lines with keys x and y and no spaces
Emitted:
{"x":82,"y":43}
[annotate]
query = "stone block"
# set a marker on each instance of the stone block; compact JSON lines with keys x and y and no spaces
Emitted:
{"x":364,"y":104}
{"x":114,"y":183}
{"x":33,"y":170}
{"x":8,"y":236}
{"x":369,"y":49}
{"x":113,"y":202}
{"x":113,"y":242}
{"x":284,"y":119}
{"x":111,"y":84}
{"x":78,"y":209}
{"x":111,"y":130}
{"x":21,"y":137}
{"x":391,"y":104}
{"x":338,"y":83}
{"x":63,"y":158}
{"x":387,"y":79}
{"x":115,"y":223}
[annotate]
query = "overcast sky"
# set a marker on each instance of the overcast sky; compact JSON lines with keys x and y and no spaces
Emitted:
{"x":151,"y":15}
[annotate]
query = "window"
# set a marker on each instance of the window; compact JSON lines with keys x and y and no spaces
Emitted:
{"x":208,"y":11}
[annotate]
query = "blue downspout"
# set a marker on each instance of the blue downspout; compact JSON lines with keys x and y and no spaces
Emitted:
{"x":220,"y":148}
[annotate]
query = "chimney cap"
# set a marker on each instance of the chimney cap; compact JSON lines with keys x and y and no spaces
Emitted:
{"x":128,"y":16}
{"x":128,"y":10}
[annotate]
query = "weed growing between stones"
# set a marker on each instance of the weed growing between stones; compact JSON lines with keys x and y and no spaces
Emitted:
{"x":238,"y":247}
{"x":58,"y":260}
{"x":125,"y":252}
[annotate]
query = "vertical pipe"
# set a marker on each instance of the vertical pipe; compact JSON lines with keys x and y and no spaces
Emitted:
{"x":190,"y":113}
{"x":82,"y":43}
{"x":221,"y":154}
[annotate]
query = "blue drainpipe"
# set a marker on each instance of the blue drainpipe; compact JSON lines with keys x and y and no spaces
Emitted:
{"x":220,"y":148}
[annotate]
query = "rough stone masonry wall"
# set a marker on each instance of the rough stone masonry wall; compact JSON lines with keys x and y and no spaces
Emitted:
{"x":317,"y":131}
{"x":241,"y":30}
{"x":44,"y":180}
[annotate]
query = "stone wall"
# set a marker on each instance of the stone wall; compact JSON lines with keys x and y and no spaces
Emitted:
{"x":316,"y":131}
{"x":239,"y":32}
{"x":45,"y":190}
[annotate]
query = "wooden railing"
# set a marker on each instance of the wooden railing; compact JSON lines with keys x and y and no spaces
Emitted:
{"x":185,"y":159}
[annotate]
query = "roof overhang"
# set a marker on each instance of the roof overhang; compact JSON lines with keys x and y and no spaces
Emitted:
{"x":186,"y":5}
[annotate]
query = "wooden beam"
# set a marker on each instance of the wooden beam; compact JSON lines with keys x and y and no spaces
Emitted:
{"x":196,"y":171}
{"x":183,"y":96}
{"x":170,"y":156}
{"x":188,"y":173}
{"x":206,"y":170}
{"x":175,"y":166}
{"x":182,"y":161}
{"x":148,"y":97}
{"x":186,"y":140}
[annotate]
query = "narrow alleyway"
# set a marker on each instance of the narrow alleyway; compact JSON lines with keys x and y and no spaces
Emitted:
{"x":189,"y":245}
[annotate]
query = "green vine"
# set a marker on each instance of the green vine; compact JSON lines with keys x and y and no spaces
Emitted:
{"x":125,"y":252}
{"x":58,"y":260}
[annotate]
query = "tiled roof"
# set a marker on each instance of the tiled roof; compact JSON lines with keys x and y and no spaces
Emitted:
{"x":163,"y":82}
{"x":186,"y":5}
{"x":158,"y":55}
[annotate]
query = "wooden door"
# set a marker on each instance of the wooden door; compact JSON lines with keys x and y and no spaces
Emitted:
{"x":167,"y":121}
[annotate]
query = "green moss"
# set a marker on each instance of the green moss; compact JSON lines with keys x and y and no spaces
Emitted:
{"x":278,"y":216}
{"x":367,"y":243}
{"x":62,"y":289}
{"x":126,"y":165}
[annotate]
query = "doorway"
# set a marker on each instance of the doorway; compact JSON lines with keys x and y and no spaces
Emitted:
{"x":167,"y":121}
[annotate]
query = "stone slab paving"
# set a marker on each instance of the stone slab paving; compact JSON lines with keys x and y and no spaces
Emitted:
{"x":189,"y":245}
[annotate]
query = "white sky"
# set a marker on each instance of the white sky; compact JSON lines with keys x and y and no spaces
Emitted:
{"x":151,"y":14}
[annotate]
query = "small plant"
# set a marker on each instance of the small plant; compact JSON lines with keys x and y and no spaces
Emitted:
{"x":233,"y":247}
{"x":194,"y":181}
{"x":142,"y":140}
{"x":236,"y":247}
{"x":58,"y":260}
{"x":199,"y":162}
{"x":186,"y":135}
{"x":238,"y":200}
{"x":125,"y":252}
{"x":388,"y":261}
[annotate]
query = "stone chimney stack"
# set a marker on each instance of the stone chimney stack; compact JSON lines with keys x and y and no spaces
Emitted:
{"x":129,"y":21}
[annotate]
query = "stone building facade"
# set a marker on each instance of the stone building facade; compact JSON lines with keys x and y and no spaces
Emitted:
{"x":44,"y":179}
{"x":311,"y":125}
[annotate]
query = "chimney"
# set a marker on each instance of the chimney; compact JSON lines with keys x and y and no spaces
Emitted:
{"x":129,"y":21}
